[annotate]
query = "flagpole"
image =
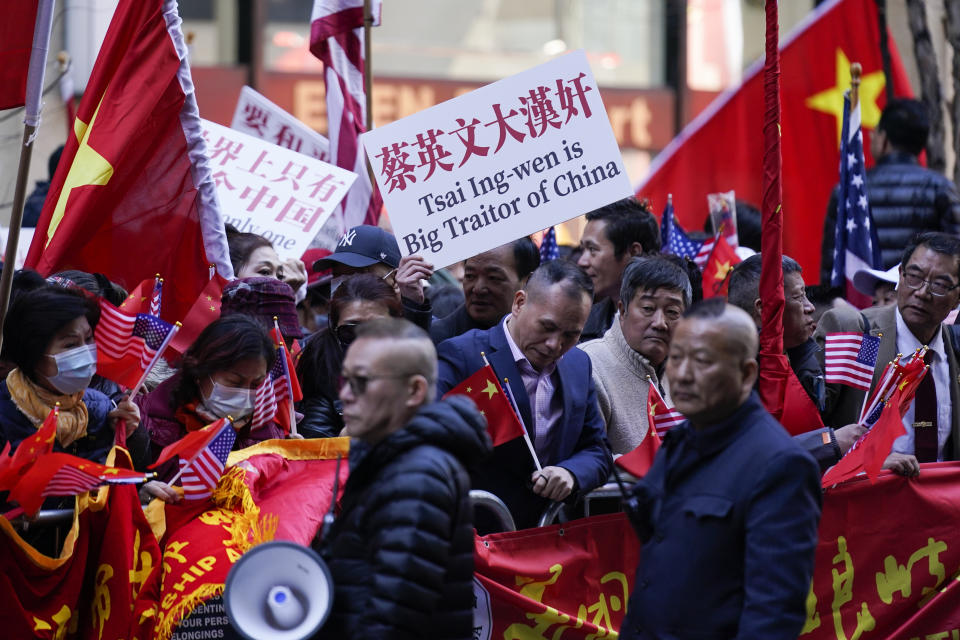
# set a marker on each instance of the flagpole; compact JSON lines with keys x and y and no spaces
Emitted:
{"x":368,"y":84}
{"x":31,"y":122}
{"x":516,"y":409}
{"x":156,"y":358}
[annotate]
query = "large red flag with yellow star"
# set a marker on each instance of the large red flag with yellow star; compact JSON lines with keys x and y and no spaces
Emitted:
{"x":722,"y":148}
{"x":132,"y":195}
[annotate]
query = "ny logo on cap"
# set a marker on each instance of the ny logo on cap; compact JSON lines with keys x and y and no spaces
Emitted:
{"x":347,"y":239}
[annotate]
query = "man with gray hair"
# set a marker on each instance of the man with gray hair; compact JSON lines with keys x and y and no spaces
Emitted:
{"x":728,"y":513}
{"x":630,"y":356}
{"x":401,"y":550}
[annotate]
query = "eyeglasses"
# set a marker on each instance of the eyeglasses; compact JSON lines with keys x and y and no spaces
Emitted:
{"x":935,"y":287}
{"x":390,"y":278}
{"x":346,"y":333}
{"x":358,"y":384}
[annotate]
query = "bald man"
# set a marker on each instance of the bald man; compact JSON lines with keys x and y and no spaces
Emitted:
{"x":728,"y":513}
{"x":401,"y":550}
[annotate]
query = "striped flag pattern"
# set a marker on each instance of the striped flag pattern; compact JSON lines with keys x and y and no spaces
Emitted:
{"x":703,"y":254}
{"x":71,"y":481}
{"x":662,"y":417}
{"x":199,"y":477}
{"x":850,"y":359}
{"x":337,"y":39}
{"x":120,"y":336}
{"x":156,"y":296}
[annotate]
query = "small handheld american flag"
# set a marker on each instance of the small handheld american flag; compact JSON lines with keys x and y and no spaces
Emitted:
{"x":200,"y":476}
{"x":851,"y":358}
{"x":548,"y":246}
{"x":674,"y":239}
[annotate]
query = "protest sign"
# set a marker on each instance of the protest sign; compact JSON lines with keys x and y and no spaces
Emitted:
{"x":260,"y":118}
{"x":280,"y":194}
{"x":499,"y":163}
{"x":23,"y":246}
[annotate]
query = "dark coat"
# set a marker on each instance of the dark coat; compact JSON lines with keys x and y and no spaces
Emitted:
{"x":453,"y":325}
{"x":401,"y":550}
{"x":601,"y":317}
{"x":728,"y":519}
{"x":581,"y":431}
{"x":905,"y":198}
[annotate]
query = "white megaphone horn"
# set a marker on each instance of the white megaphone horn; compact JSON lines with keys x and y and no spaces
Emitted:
{"x":278,"y":591}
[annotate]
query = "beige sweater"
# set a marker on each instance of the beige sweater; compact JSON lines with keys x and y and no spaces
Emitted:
{"x":620,"y":375}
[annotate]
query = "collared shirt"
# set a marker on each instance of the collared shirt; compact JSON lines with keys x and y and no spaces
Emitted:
{"x":546,"y":404}
{"x":907,"y":343}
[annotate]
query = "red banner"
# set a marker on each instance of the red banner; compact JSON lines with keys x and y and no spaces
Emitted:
{"x":888,"y":565}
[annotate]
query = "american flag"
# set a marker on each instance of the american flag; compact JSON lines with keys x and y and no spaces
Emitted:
{"x":337,"y":39}
{"x":199,"y":477}
{"x":118,"y":336}
{"x":674,"y":240}
{"x":71,"y":481}
{"x":662,"y":417}
{"x":851,"y":358}
{"x":856,"y":246}
{"x":155,"y":297}
{"x":548,"y":246}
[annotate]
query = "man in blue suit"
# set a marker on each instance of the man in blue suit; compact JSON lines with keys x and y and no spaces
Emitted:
{"x":728,"y":512}
{"x":553,"y":387}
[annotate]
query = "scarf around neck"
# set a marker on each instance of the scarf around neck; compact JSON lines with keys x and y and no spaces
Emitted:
{"x":36,"y":403}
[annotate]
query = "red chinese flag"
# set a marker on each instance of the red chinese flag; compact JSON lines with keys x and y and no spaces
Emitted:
{"x":191,"y":444}
{"x":869,"y":453}
{"x":722,"y":149}
{"x":16,"y":42}
{"x":132,"y":196}
{"x":291,"y":367}
{"x":639,"y":461}
{"x":716,"y":273}
{"x":205,"y":309}
{"x":28,"y":451}
{"x":485,"y":391}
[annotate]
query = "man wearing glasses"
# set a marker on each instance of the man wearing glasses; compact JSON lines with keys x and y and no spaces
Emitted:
{"x":929,"y":288}
{"x":401,"y":549}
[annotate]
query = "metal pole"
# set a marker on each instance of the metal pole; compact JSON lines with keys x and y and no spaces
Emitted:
{"x":368,"y":65}
{"x":31,"y":121}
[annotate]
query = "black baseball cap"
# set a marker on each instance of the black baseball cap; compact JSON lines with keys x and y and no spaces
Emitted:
{"x":363,"y":246}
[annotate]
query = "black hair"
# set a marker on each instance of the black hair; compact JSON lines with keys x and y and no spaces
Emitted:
{"x":97,"y":284}
{"x":693,"y":274}
{"x":574,"y":281}
{"x":649,"y":273}
{"x":744,"y":286}
{"x":906,"y":123}
{"x":526,"y":256}
{"x":34,"y":318}
{"x":225,"y":342}
{"x":628,"y":221}
{"x":938,"y":241}
{"x":706,"y":309}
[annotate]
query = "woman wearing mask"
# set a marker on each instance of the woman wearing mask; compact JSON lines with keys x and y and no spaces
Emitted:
{"x":360,"y":298}
{"x":218,"y":377}
{"x":48,"y":336}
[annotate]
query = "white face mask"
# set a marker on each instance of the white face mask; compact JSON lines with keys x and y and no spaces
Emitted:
{"x":75,"y":369}
{"x":226,"y":401}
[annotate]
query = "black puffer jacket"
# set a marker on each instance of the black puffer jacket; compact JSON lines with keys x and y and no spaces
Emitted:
{"x":904,"y":198}
{"x":401,"y":550}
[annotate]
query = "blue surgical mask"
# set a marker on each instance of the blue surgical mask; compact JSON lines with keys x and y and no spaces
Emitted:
{"x":226,"y":401}
{"x":75,"y":369}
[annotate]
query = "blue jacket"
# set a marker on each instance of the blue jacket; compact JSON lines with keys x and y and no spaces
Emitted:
{"x":14,"y":426}
{"x":728,"y":518}
{"x":578,"y":447}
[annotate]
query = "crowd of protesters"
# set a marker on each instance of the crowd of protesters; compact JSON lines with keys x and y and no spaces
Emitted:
{"x":582,"y":339}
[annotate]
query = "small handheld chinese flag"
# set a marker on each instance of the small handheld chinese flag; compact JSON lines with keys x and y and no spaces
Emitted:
{"x":716,"y":274}
{"x":30,"y":449}
{"x":482,"y":387}
{"x":639,"y":461}
{"x":205,"y":309}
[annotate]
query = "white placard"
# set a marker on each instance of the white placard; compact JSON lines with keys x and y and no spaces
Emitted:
{"x":23,"y":246}
{"x":499,"y":163}
{"x":260,"y":118}
{"x":280,"y":194}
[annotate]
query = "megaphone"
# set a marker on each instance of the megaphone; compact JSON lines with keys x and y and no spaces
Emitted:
{"x":278,"y":591}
